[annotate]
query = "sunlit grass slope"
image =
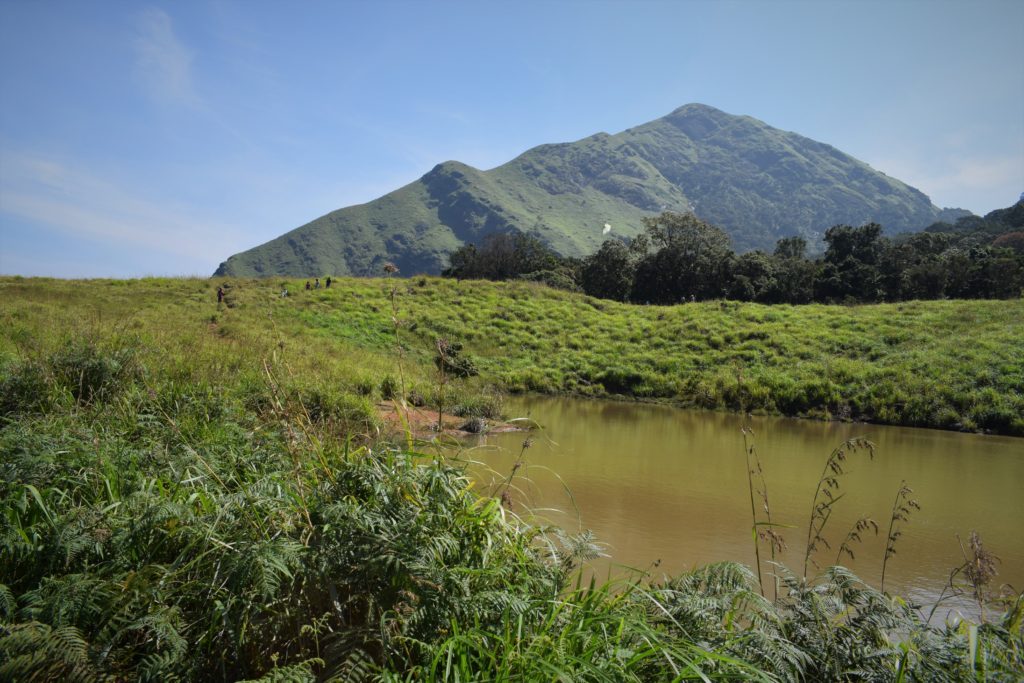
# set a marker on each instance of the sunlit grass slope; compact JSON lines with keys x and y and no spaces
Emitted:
{"x":945,"y":364}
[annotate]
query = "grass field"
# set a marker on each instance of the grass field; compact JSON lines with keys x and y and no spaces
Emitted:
{"x":942,"y":364}
{"x":199,"y":492}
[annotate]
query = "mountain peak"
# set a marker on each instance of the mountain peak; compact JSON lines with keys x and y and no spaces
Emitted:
{"x":700,"y":120}
{"x":696,"y":108}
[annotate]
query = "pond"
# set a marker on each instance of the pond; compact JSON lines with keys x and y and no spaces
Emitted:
{"x":666,"y":490}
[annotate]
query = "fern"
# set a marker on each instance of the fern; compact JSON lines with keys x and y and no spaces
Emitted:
{"x":32,"y":651}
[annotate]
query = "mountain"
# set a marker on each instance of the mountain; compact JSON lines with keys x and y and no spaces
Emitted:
{"x":757,"y":182}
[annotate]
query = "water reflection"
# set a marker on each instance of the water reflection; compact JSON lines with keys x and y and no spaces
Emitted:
{"x":661,"y":484}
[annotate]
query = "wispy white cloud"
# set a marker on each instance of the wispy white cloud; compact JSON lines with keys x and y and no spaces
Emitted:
{"x":977,"y":183}
{"x":73,"y":201}
{"x":163,"y":64}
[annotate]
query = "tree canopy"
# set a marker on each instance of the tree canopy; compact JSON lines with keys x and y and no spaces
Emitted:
{"x":679,"y":257}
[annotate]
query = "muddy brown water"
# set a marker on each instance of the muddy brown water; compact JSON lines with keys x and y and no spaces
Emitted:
{"x":665,"y":489}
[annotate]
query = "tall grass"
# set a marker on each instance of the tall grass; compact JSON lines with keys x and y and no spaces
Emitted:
{"x":172,"y":532}
{"x":185,"y":503}
{"x":889,"y":363}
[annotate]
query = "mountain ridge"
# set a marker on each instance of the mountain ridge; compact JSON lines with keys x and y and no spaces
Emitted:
{"x":757,"y":182}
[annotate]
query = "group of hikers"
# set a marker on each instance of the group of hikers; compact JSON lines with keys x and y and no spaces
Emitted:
{"x":317,"y":285}
{"x":284,"y":290}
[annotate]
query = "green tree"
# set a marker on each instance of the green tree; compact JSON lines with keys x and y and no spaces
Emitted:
{"x":850,"y":269}
{"x":501,"y":256}
{"x":795,"y":274}
{"x":608,"y":273}
{"x":910,"y":267}
{"x":791,"y":248}
{"x":690,"y":260}
{"x":754,"y":278}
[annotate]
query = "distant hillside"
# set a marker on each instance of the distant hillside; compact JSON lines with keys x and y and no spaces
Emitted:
{"x":757,"y":182}
{"x":974,"y":230}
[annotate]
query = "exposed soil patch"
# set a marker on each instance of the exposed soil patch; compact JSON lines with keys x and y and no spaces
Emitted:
{"x":423,"y":421}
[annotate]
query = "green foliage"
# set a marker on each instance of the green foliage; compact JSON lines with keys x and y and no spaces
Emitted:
{"x":850,"y":270}
{"x":563,"y":277}
{"x":165,"y":546}
{"x":389,"y":388}
{"x":23,"y":387}
{"x":692,"y":261}
{"x":450,"y":361}
{"x":91,"y":372}
{"x":689,"y":260}
{"x":501,"y":256}
{"x":486,"y":405}
{"x":221,"y":515}
{"x":342,"y":411}
{"x":609,"y":273}
{"x":899,"y":363}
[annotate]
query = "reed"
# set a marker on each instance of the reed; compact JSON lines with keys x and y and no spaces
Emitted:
{"x":827,"y":494}
{"x":901,"y":508}
{"x":760,"y":531}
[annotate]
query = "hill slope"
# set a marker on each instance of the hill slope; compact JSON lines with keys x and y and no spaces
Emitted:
{"x":904,"y":364}
{"x":757,"y":182}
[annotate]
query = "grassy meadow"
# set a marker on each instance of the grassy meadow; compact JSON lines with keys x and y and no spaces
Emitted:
{"x":201,"y":492}
{"x":942,"y":364}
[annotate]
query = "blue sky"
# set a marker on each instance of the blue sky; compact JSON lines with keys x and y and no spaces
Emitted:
{"x":160,"y":138}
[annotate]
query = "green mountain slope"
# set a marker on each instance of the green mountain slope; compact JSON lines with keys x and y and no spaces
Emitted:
{"x":757,"y":182}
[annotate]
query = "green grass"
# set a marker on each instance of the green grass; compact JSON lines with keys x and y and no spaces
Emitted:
{"x":192,"y":493}
{"x":940,"y":364}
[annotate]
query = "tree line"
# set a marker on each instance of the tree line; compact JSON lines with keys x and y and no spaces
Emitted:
{"x":679,"y":257}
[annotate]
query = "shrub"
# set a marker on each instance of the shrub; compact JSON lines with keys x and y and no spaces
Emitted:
{"x":335,"y":409}
{"x":91,"y":372}
{"x":23,"y":388}
{"x":365,"y":387}
{"x":477,"y":405}
{"x":389,"y":387}
{"x":621,"y":380}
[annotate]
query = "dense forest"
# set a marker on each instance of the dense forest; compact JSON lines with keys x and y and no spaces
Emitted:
{"x":679,"y":257}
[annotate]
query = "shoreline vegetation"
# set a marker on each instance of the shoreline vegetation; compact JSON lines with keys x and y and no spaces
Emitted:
{"x":955,"y":365}
{"x":203,"y":491}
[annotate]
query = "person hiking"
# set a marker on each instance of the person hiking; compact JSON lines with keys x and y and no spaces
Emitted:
{"x":317,"y":285}
{"x":307,"y":286}
{"x":220,"y":295}
{"x":328,"y":283}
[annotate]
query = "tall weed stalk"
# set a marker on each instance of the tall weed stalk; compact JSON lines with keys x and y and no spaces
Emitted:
{"x":901,"y":508}
{"x":827,"y":493}
{"x":760,"y":531}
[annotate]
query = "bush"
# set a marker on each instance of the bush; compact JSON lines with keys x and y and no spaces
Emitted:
{"x":90,"y":372}
{"x":389,"y":388}
{"x":335,"y":410}
{"x":365,"y":387}
{"x":621,"y":380}
{"x":557,"y":279}
{"x":23,"y":388}
{"x":475,"y":405}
